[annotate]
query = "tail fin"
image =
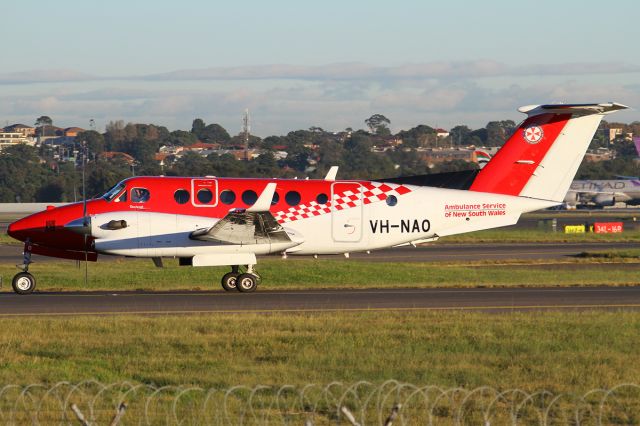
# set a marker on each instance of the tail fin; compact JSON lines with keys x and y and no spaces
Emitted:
{"x":482,"y":157}
{"x":543,"y":155}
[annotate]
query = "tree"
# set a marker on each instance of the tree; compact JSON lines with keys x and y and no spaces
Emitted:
{"x":459,"y":135}
{"x":215,"y":133}
{"x":377,"y":123}
{"x":209,"y":133}
{"x":499,"y":131}
{"x":94,"y":141}
{"x":417,"y":136}
{"x":42,"y":122}
{"x":50,"y":193}
{"x":182,"y":138}
{"x":197,"y":127}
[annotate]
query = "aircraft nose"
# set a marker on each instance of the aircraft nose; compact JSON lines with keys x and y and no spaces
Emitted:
{"x":17,"y":229}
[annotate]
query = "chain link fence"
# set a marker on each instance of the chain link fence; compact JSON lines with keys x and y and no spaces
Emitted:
{"x":361,"y":403}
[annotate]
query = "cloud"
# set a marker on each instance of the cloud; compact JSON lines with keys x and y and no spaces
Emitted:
{"x":45,"y":76}
{"x":346,"y":72}
{"x":421,"y":71}
{"x":281,"y":106}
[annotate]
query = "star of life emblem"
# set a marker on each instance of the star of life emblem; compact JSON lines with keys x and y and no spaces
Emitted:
{"x":533,"y":134}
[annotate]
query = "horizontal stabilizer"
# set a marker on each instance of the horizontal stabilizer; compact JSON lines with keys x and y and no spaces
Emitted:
{"x":603,"y":108}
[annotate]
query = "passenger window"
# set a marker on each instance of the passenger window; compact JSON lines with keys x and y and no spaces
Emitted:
{"x":249,"y":197}
{"x":227,"y":196}
{"x":140,"y":195}
{"x":292,"y":198}
{"x":205,"y":196}
{"x":181,"y":196}
{"x":275,"y":199}
{"x":322,"y":199}
{"x":392,"y":200}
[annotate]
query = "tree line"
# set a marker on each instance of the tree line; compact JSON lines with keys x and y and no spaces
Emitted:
{"x":35,"y":174}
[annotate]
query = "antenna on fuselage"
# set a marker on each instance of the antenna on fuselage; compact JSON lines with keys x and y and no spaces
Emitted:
{"x":332,"y":173}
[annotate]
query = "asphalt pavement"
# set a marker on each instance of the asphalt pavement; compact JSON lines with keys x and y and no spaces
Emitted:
{"x":473,"y":299}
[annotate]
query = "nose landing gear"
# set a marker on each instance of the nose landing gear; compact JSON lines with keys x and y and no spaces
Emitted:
{"x":23,"y":282}
{"x":246,"y":282}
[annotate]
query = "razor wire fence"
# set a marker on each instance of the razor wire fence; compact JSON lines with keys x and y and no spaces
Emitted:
{"x":361,"y":403}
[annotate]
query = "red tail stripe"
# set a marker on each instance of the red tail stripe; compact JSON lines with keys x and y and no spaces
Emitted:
{"x":503,"y":174}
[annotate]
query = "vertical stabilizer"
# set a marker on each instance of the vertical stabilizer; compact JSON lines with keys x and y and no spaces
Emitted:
{"x":542,"y":157}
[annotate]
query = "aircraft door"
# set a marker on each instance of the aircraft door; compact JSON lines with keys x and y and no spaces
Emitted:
{"x":346,"y":212}
{"x":204,"y":192}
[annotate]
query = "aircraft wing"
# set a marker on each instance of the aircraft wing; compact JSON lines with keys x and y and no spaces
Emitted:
{"x":255,"y":225}
{"x":244,"y":227}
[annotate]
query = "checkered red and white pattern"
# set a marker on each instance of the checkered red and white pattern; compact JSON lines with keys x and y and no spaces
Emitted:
{"x":371,"y":192}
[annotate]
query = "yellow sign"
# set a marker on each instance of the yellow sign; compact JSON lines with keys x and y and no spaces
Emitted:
{"x":574,"y":229}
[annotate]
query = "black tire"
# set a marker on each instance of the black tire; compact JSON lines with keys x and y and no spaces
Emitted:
{"x":246,"y":283}
{"x":23,"y":283}
{"x":229,"y":281}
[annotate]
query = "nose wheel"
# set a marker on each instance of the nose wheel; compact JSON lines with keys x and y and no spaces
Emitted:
{"x":23,"y":282}
{"x":246,"y":282}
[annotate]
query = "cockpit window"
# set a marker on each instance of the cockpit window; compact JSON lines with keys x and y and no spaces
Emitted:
{"x":140,"y":195}
{"x":115,"y":190}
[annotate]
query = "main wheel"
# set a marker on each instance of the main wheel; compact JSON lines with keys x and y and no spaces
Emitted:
{"x":23,"y":283}
{"x":246,"y":283}
{"x":229,"y":281}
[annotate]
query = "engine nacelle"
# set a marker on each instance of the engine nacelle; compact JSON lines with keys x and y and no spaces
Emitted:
{"x":605,"y":200}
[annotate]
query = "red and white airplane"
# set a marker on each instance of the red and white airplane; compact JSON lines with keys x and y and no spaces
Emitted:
{"x":210,"y":221}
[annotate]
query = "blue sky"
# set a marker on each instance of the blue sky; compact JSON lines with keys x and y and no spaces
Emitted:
{"x":298,"y":64}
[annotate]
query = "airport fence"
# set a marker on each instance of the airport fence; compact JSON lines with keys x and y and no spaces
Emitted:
{"x":361,"y":403}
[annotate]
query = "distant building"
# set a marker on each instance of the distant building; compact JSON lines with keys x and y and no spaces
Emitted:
{"x":14,"y":138}
{"x":171,"y":149}
{"x":72,"y":132}
{"x":116,"y":155}
{"x":239,"y":154}
{"x":164,"y":159}
{"x":201,"y":146}
{"x":26,"y":131}
{"x":435,"y":156}
{"x":600,"y":154}
{"x":612,"y":133}
{"x":441,"y":133}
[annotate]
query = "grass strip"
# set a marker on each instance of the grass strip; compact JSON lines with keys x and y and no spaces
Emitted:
{"x":556,"y":351}
{"x":311,"y":273}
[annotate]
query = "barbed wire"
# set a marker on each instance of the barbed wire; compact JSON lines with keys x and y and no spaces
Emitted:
{"x":362,"y":403}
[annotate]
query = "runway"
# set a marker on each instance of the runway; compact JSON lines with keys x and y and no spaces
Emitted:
{"x":474,"y":299}
{"x":435,"y":252}
{"x":438,"y":252}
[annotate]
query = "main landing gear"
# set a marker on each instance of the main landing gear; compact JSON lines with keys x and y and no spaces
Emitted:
{"x":23,"y":282}
{"x":245,"y":282}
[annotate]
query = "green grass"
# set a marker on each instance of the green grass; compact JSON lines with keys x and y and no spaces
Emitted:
{"x":6,"y":239}
{"x":309,"y":273}
{"x":560,"y":352}
{"x":612,"y":254}
{"x":519,"y":235}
